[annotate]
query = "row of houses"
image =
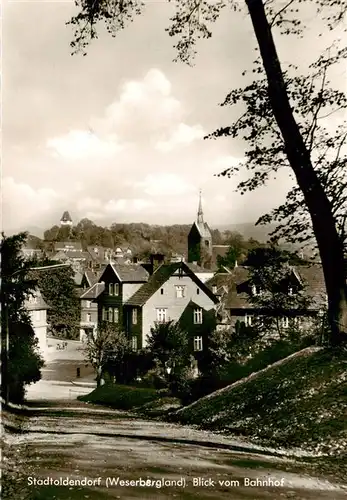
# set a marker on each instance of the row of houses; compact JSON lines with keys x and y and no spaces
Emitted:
{"x":135,"y":298}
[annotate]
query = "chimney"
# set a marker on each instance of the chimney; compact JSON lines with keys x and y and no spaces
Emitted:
{"x":156,"y":259}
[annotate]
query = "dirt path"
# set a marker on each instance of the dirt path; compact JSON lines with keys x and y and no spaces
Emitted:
{"x":89,"y":451}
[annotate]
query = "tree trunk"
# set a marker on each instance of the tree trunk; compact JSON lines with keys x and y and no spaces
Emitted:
{"x":323,"y":222}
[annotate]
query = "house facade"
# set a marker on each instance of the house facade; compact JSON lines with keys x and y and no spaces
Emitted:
{"x":172,"y":290}
{"x":37,"y":308}
{"x":236,"y":307}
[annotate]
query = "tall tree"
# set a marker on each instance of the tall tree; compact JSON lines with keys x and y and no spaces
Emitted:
{"x":190,"y":22}
{"x":274,"y":291}
{"x":20,"y":358}
{"x":107,"y":346}
{"x":59,"y":291}
{"x":169,"y":346}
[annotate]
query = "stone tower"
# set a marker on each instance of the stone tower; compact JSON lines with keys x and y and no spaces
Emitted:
{"x":200,"y":240}
{"x":66,"y":219}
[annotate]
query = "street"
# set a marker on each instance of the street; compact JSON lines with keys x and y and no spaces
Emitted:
{"x":69,"y":450}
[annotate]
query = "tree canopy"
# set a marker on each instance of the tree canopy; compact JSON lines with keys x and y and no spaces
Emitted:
{"x":20,"y":358}
{"x":282,"y":120}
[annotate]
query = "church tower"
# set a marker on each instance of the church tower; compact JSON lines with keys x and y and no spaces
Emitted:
{"x":66,"y":219}
{"x":200,"y":240}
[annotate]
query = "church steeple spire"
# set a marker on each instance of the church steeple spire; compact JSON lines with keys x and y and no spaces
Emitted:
{"x":200,"y":219}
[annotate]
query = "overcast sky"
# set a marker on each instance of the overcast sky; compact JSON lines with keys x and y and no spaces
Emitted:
{"x":116,"y":136}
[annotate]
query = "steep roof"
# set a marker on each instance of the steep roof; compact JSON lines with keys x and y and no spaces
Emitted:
{"x":93,"y":292}
{"x":66,"y":217}
{"x":310,"y":276}
{"x":128,"y":273}
{"x":90,"y":277}
{"x":36,"y":302}
{"x":159,"y":277}
{"x":203,"y":229}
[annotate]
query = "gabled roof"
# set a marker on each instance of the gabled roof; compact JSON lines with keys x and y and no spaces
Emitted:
{"x":90,"y":277}
{"x":39,"y":304}
{"x":128,"y":273}
{"x":93,"y":292}
{"x":197,"y":269}
{"x":66,"y":217}
{"x":203,"y":229}
{"x":159,"y":277}
{"x":311,"y":277}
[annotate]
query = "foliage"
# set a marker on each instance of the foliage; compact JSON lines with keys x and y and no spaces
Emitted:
{"x":59,"y":291}
{"x":273,"y":289}
{"x":283,"y":122}
{"x":23,"y":363}
{"x":168,"y":343}
{"x":300,"y":402}
{"x":122,"y":397}
{"x":106,"y":349}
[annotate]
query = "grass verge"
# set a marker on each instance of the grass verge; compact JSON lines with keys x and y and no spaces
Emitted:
{"x":300,"y":402}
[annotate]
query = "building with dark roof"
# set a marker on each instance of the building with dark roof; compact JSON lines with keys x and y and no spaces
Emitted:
{"x":235,"y":291}
{"x":66,"y":219}
{"x":200,"y":241}
{"x":165,"y":297}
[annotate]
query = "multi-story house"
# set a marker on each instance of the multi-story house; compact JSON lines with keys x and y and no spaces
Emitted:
{"x":235,"y":293}
{"x":172,"y":292}
{"x":37,"y":308}
{"x":89,"y":310}
{"x":121,"y":282}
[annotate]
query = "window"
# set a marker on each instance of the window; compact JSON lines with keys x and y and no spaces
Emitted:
{"x":104,"y":314}
{"x":111,"y":289}
{"x":290,"y":291}
{"x":88,"y":317}
{"x":285,"y":322}
{"x":88,"y":303}
{"x":116,"y":315}
{"x":197,"y":291}
{"x":248,"y":320}
{"x":255,"y":290}
{"x":116,"y":289}
{"x":214,"y":289}
{"x":134,"y":316}
{"x":161,"y":315}
{"x":197,"y":316}
{"x":110,"y":314}
{"x":162,"y":291}
{"x":207,"y":243}
{"x":180,"y":291}
{"x":134,"y":343}
{"x":197,"y":343}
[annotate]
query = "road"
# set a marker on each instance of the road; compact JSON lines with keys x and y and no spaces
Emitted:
{"x":84,"y":451}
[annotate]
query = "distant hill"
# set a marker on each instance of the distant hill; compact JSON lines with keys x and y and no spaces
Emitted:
{"x":249,"y":230}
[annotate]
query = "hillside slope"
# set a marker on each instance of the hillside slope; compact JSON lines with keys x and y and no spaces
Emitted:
{"x":300,"y":401}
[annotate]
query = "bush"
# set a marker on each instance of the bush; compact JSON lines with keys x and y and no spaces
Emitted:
{"x":122,"y":397}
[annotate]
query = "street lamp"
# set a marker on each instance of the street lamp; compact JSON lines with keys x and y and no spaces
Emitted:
{"x":6,"y":322}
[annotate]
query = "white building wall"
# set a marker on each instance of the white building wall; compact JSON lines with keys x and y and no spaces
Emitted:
{"x":174,"y":305}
